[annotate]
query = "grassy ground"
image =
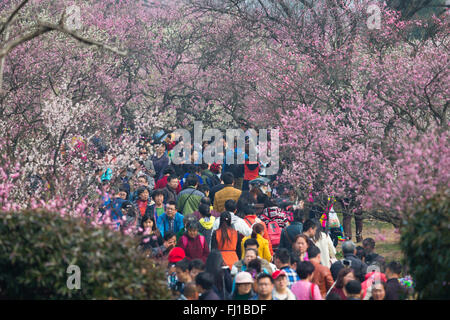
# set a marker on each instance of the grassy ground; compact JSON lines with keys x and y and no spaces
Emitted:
{"x":385,"y":236}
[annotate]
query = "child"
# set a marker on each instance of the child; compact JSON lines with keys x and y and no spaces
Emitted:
{"x":175,"y":255}
{"x":195,"y":267}
{"x":183,"y":276}
{"x":190,"y":292}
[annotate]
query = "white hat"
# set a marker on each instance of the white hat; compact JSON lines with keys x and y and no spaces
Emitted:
{"x":244,"y":277}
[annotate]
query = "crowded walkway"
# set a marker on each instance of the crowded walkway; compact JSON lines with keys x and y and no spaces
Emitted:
{"x":230,"y":232}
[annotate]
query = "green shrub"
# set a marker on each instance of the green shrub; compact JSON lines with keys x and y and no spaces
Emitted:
{"x":36,"y":248}
{"x":425,"y":241}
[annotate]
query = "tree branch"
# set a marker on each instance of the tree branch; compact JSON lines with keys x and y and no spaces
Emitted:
{"x":15,"y":42}
{"x":44,"y":27}
{"x":81,"y":39}
{"x":13,"y":14}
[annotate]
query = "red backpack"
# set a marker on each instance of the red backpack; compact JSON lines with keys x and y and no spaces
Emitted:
{"x":274,"y":231}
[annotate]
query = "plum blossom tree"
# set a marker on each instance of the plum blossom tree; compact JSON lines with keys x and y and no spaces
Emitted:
{"x":353,"y":104}
{"x":346,"y":97}
{"x":62,"y":101}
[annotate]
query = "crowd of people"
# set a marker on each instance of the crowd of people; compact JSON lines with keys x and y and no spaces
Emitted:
{"x":222,"y":233}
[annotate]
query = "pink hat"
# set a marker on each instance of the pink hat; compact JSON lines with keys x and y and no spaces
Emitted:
{"x":243,"y":277}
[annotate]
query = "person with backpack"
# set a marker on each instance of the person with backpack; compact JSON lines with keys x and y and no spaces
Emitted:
{"x":350,"y":260}
{"x":370,"y":257}
{"x":305,"y":289}
{"x":207,"y":202}
{"x":209,"y":178}
{"x":251,"y":218}
{"x":263,"y":248}
{"x":272,"y":212}
{"x":186,"y":220}
{"x":189,"y":198}
{"x":193,"y":244}
{"x":206,"y":222}
{"x":275,"y":220}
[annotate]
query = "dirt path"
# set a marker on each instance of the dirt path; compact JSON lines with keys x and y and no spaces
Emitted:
{"x":387,"y":239}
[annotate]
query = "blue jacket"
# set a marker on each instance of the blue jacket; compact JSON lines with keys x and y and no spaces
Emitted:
{"x":163,"y":223}
{"x":116,"y":210}
{"x":182,"y":181}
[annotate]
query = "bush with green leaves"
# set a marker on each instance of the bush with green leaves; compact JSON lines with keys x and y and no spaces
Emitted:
{"x":37,"y":247}
{"x":425,"y":241}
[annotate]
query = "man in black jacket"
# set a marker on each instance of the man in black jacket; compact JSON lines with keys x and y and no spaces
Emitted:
{"x":215,"y":189}
{"x":350,"y":261}
{"x":394,"y":290}
{"x":372,"y":258}
{"x":205,"y":282}
{"x":170,"y":190}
